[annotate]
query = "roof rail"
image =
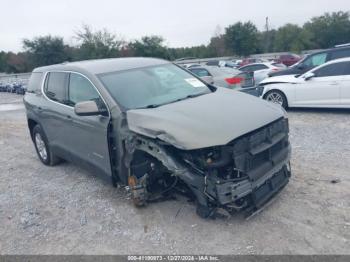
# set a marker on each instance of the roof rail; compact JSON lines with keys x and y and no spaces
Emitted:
{"x":342,"y":45}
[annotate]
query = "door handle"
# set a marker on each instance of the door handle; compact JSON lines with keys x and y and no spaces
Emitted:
{"x":334,"y":83}
{"x":69,"y":117}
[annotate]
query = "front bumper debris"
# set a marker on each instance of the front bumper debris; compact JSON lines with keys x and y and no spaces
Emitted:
{"x":261,"y":190}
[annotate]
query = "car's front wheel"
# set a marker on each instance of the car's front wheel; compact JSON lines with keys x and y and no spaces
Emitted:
{"x":276,"y":97}
{"x":42,"y":147}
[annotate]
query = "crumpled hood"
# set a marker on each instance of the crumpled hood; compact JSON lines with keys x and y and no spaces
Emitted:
{"x":280,"y":79}
{"x":208,"y":120}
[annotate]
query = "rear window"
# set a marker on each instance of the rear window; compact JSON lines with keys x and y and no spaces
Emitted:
{"x":35,"y":82}
{"x":201,"y":72}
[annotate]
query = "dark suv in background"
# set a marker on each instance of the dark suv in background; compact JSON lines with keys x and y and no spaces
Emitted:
{"x":313,"y":60}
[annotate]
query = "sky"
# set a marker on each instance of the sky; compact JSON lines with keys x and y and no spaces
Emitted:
{"x":180,"y":22}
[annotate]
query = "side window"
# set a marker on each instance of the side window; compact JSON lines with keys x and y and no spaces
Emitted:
{"x":335,"y":69}
{"x":340,"y":53}
{"x":247,"y":69}
{"x":55,"y":86}
{"x":80,"y":89}
{"x":260,"y":67}
{"x":316,"y":60}
{"x":34,"y":84}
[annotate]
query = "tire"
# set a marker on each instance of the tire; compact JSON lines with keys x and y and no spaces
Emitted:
{"x":204,"y":211}
{"x":277,"y":97}
{"x":42,"y":147}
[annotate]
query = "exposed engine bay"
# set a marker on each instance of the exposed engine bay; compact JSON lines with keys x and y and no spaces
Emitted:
{"x":241,"y":175}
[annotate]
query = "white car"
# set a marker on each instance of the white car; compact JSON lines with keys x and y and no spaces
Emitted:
{"x":262,"y":70}
{"x":327,"y":85}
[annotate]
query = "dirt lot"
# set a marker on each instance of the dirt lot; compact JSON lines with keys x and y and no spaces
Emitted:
{"x":67,"y":210}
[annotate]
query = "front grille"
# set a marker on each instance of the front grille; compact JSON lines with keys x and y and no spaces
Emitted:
{"x":260,"y":151}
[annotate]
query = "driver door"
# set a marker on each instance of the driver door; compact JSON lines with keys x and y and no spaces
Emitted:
{"x":86,"y":136}
{"x":322,"y":90}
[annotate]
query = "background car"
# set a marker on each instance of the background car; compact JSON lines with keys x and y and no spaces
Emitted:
{"x":248,"y":61}
{"x":219,"y":76}
{"x":203,"y":73}
{"x":190,"y":65}
{"x":219,"y":63}
{"x":21,"y":89}
{"x":233,"y":63}
{"x":9,"y":87}
{"x":2,"y":87}
{"x":324,"y":86}
{"x":288,"y":59}
{"x":16,"y":87}
{"x":314,"y":60}
{"x":261,"y":70}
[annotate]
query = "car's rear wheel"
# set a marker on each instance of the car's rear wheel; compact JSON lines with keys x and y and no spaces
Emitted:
{"x":42,"y":147}
{"x":276,"y":97}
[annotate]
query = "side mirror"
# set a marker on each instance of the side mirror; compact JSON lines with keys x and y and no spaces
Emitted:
{"x":88,"y":108}
{"x":308,"y":76}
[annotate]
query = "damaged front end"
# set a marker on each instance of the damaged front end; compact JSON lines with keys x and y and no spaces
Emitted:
{"x":241,"y":175}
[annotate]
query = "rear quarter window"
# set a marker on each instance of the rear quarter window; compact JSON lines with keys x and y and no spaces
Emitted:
{"x":35,"y":82}
{"x":56,"y":86}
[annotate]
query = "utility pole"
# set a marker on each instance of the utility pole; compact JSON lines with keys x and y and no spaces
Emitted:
{"x":267,"y":35}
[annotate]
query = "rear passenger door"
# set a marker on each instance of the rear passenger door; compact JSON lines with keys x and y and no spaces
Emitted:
{"x":86,"y":136}
{"x":53,"y":111}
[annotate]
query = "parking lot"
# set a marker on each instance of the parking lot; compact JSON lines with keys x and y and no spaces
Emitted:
{"x":67,"y":210}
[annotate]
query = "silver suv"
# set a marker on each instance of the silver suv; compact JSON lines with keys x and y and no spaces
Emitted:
{"x":157,"y":129}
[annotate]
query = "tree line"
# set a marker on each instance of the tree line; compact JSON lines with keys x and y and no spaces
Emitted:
{"x":240,"y":39}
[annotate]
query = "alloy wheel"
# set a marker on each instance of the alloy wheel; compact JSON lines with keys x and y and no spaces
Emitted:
{"x":40,"y":145}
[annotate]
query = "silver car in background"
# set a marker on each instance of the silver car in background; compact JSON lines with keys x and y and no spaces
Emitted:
{"x":262,"y":70}
{"x":219,"y":76}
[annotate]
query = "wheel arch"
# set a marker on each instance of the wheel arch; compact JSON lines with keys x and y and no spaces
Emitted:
{"x":31,"y":124}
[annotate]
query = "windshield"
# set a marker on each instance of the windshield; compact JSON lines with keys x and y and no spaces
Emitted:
{"x":152,"y":86}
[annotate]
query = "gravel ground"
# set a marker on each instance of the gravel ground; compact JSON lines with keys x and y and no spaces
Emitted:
{"x":67,"y":210}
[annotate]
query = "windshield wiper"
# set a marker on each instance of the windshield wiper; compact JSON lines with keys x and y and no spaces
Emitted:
{"x":189,"y":96}
{"x":153,"y":106}
{"x":173,"y":101}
